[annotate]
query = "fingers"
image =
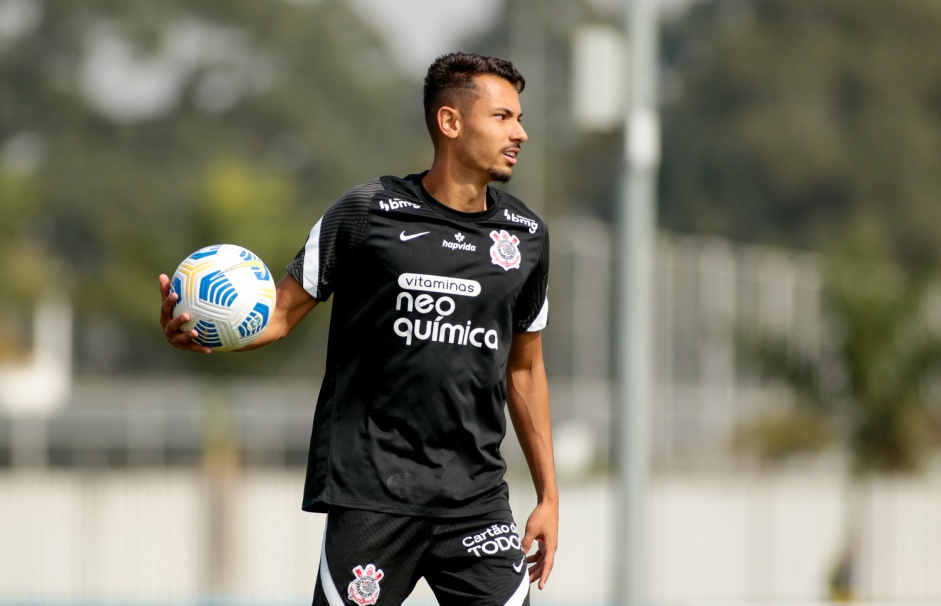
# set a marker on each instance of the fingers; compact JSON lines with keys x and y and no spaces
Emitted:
{"x":168,"y":299}
{"x":545,"y":568}
{"x":183,"y":339}
{"x":173,"y":327}
{"x":164,"y":281}
{"x":536,"y":570}
{"x":541,"y":528}
{"x":542,"y":562}
{"x":169,"y":324}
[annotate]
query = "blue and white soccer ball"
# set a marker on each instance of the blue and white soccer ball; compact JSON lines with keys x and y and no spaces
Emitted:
{"x":228,"y":293}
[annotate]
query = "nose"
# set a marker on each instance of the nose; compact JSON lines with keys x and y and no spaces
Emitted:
{"x":519,"y":135}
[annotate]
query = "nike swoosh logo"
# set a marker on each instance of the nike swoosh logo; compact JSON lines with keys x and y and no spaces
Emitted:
{"x":405,"y":238}
{"x":519,"y":567}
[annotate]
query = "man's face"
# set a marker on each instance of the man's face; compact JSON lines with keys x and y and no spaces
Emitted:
{"x":493,"y":133}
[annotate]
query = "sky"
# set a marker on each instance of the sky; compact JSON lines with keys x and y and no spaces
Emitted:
{"x":419,"y":30}
{"x":119,"y":83}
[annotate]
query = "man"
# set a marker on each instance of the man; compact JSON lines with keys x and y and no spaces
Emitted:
{"x":440,"y":295}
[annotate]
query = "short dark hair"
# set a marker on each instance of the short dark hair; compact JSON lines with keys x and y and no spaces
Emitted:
{"x":451,"y":78}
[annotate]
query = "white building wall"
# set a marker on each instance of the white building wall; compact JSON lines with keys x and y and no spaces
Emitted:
{"x":160,"y":537}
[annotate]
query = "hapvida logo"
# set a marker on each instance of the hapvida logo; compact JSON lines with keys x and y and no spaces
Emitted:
{"x":459,"y":244}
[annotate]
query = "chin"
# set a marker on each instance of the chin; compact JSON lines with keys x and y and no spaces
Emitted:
{"x":500,"y":176}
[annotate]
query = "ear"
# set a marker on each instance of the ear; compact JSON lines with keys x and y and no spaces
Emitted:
{"x":449,"y":121}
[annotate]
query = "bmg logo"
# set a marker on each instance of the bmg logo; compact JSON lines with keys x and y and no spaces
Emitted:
{"x":396,"y":204}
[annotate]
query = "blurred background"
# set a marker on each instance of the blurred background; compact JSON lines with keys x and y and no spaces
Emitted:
{"x":794,"y":410}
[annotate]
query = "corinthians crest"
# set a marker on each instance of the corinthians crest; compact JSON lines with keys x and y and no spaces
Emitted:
{"x":504,"y":251}
{"x":365,"y":587}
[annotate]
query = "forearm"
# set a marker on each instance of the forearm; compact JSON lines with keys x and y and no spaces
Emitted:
{"x":293,"y":303}
{"x":528,"y":404}
{"x":529,"y":412}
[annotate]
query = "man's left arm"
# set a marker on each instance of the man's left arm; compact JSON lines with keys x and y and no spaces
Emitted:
{"x":528,"y":403}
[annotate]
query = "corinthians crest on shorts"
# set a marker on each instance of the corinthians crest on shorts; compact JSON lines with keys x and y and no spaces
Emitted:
{"x":504,"y":251}
{"x":365,"y":587}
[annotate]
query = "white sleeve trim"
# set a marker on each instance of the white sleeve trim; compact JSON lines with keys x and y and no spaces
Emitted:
{"x":542,"y":319}
{"x":312,"y":261}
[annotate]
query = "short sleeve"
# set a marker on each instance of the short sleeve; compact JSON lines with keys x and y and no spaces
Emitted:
{"x":332,"y":242}
{"x":532,"y":305}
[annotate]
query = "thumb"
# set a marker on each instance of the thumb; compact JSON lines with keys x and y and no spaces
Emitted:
{"x":528,"y":539}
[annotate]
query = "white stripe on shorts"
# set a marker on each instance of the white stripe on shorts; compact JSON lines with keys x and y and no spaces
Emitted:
{"x":521,"y":592}
{"x":326,"y":580}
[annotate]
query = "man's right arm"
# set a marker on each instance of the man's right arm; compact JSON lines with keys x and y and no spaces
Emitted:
{"x":293,"y":303}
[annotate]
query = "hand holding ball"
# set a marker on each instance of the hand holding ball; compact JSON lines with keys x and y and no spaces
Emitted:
{"x":228,"y":293}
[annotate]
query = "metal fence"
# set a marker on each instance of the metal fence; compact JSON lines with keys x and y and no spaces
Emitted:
{"x":704,"y":287}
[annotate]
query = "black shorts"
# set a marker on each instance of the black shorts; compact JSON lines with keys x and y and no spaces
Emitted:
{"x":376,"y":558}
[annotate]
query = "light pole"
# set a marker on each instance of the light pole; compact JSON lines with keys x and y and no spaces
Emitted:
{"x":635,"y":249}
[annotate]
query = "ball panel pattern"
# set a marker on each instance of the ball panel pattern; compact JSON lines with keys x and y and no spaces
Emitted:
{"x":228,"y":293}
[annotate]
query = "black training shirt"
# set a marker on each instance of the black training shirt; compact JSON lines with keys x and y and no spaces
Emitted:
{"x":410,"y":415}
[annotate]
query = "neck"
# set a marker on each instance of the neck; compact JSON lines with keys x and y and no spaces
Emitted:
{"x":455,"y":190}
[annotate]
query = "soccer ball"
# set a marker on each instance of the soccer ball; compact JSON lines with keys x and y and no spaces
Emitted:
{"x":228,"y":293}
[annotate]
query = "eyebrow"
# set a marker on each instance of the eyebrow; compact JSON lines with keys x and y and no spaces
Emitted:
{"x":508,"y":111}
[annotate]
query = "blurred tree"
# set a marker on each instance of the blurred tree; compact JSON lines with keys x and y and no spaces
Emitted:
{"x":781,"y":119}
{"x":868,"y":386}
{"x":30,"y":264}
{"x":242,"y":202}
{"x":134,"y":132}
{"x":576,"y":171}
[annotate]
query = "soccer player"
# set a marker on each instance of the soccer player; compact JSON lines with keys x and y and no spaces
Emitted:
{"x":439,"y":283}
